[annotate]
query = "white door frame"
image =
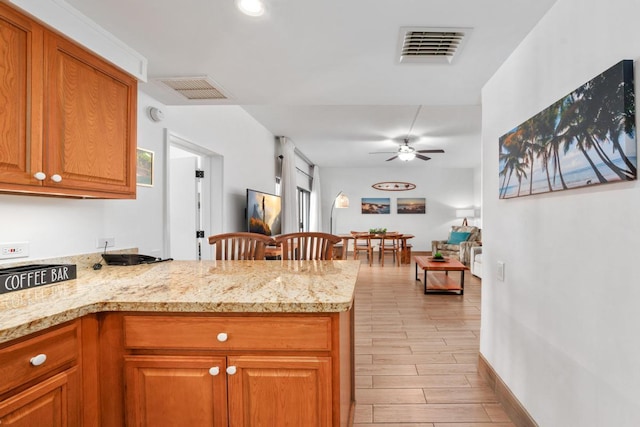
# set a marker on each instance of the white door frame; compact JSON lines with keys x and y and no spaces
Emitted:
{"x":213,"y":163}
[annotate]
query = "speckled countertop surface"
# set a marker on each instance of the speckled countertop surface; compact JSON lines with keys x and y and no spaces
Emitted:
{"x":182,"y":286}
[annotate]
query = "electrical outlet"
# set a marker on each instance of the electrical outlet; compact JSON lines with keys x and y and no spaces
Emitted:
{"x":501,"y":271}
{"x":109,"y":241}
{"x":14,"y":250}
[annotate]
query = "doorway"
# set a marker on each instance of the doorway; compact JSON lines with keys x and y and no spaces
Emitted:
{"x":193,"y":197}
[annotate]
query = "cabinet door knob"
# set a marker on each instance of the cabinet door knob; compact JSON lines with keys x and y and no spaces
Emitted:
{"x":56,"y":178}
{"x":40,"y":176}
{"x":214,"y":371}
{"x":222,"y":337}
{"x":38,"y":360}
{"x":231,"y":370}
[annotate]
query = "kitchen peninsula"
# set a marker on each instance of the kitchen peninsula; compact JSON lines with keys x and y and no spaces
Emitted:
{"x":207,"y":343}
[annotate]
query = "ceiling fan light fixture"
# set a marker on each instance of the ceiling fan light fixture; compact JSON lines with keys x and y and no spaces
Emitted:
{"x":405,"y":152}
{"x":406,"y":156}
{"x":251,"y":7}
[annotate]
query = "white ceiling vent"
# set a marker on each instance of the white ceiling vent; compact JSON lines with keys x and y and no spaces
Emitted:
{"x":431,"y":45}
{"x":195,"y":88}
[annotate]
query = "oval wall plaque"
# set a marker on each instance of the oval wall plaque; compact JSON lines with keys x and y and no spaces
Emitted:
{"x":394,"y":186}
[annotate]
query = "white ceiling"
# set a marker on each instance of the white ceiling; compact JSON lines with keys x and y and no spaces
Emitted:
{"x":326,"y":73}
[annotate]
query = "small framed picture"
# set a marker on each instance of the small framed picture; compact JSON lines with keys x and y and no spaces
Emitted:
{"x":376,"y":205}
{"x":414,"y":205}
{"x":144,"y":174}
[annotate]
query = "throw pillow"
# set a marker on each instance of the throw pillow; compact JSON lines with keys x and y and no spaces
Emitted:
{"x":458,"y":237}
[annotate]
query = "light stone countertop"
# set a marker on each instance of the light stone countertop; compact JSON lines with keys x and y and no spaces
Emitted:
{"x":183,"y":286}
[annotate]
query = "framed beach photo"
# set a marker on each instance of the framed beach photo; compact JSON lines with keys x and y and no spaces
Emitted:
{"x":412,"y":205}
{"x":376,"y":205}
{"x":144,"y":170}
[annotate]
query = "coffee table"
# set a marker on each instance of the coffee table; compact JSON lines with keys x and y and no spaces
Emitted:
{"x":440,"y":284}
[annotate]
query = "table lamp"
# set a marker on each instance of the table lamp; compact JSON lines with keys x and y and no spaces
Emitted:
{"x":465,"y":213}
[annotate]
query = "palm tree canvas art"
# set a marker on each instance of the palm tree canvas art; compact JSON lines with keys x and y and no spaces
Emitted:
{"x":586,"y":138}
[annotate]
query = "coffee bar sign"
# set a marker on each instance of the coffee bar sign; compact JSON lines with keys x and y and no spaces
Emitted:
{"x":31,"y":276}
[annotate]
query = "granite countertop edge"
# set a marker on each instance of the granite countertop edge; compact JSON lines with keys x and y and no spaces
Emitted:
{"x":268,"y":287}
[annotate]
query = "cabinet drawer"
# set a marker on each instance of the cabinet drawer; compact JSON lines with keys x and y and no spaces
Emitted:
{"x":252,"y":333}
{"x":60,"y":347}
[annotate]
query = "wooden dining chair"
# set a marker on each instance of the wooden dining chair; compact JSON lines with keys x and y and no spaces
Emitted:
{"x":362,"y":243}
{"x":390,"y":243}
{"x":307,"y":245}
{"x":240,"y":246}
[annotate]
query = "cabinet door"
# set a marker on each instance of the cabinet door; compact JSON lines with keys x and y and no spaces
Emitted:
{"x":20,"y":98}
{"x":51,"y":403}
{"x":164,"y":391}
{"x":90,"y":136}
{"x":280,"y":391}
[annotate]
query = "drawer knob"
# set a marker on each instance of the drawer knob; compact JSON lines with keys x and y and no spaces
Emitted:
{"x":56,"y":178}
{"x":38,"y":360}
{"x":214,"y":371}
{"x":231,"y":370}
{"x":40,"y":176}
{"x":222,"y":337}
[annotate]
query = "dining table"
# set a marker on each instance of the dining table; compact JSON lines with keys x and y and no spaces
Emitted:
{"x":405,"y":248}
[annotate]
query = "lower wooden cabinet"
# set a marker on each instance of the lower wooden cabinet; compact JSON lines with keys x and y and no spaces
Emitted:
{"x":280,"y":391}
{"x":40,"y":379}
{"x":130,"y":369}
{"x":54,"y":402}
{"x":228,"y":370}
{"x":163,"y":391}
{"x":175,"y":390}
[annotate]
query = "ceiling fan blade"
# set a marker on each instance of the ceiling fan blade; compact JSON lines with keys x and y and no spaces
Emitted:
{"x":383,"y":152}
{"x":420,"y":156}
{"x":430,"y":151}
{"x":394,"y":157}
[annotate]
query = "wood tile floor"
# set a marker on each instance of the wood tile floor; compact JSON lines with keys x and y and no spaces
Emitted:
{"x":416,"y":355}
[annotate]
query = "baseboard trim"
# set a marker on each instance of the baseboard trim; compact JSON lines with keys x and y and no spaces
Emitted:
{"x":352,"y":414}
{"x":510,"y":403}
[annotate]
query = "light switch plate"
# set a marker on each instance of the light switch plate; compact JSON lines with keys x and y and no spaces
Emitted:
{"x":501,"y":271}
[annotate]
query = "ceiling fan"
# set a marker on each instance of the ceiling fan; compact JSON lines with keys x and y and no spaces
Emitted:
{"x":405,"y":151}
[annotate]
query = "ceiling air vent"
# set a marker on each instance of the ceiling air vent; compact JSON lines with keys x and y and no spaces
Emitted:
{"x":431,"y":45}
{"x":199,"y":88}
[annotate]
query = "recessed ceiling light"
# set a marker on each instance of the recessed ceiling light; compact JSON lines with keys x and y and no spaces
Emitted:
{"x":251,"y":7}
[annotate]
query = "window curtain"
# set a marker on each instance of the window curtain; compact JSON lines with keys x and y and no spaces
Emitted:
{"x":288,"y":186}
{"x":315,"y":212}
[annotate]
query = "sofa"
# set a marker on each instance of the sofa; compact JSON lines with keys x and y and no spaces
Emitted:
{"x":476,"y":261}
{"x":453,"y":247}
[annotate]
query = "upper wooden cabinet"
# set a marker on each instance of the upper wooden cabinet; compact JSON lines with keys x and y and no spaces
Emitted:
{"x":70,"y":127}
{"x":21,"y":98}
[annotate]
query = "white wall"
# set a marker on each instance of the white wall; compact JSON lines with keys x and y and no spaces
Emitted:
{"x":247,"y":148}
{"x":562,"y":328}
{"x":445,"y":190}
{"x":139,"y":223}
{"x":67,"y":20}
{"x":60,"y":227}
{"x":477,"y":200}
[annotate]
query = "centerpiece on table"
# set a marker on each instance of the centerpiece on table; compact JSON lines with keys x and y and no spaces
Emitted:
{"x":438,"y":257}
{"x":378,"y":231}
